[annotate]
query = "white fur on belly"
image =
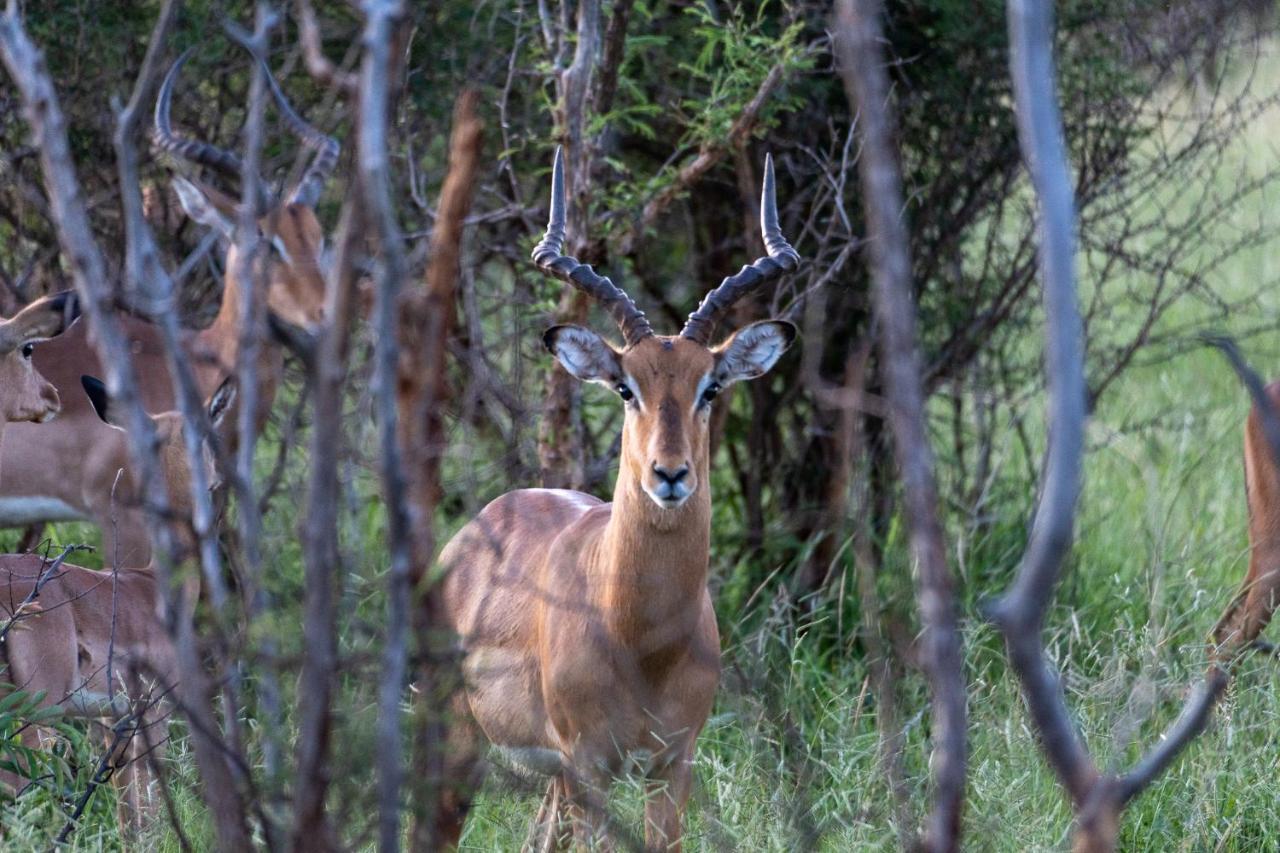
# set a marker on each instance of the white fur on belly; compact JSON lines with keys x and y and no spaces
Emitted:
{"x":19,"y":512}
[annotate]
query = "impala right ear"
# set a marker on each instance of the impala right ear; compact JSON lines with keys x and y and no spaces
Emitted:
{"x":584,"y":354}
{"x":200,"y":208}
{"x":101,"y":400}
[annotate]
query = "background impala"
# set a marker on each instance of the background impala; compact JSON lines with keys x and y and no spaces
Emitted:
{"x":69,"y":472}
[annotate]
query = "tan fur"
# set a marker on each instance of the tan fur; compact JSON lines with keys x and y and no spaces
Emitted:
{"x":1251,"y":608}
{"x":94,"y":643}
{"x":587,"y":627}
{"x":74,"y":461}
{"x":25,"y":394}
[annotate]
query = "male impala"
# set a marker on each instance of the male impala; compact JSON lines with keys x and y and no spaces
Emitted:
{"x":1253,"y":605}
{"x":92,"y":641}
{"x":587,"y":630}
{"x":67,"y":471}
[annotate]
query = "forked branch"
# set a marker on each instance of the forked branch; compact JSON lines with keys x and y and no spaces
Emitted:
{"x":1098,"y":799}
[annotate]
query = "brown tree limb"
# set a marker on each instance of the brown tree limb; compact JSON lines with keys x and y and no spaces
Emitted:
{"x":859,"y":39}
{"x":560,"y":450}
{"x":426,"y":323}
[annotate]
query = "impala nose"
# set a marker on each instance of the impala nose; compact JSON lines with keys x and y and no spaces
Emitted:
{"x":668,"y":476}
{"x":670,"y":486}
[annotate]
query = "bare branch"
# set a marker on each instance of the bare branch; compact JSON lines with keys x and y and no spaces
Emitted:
{"x":867,"y":86}
{"x":319,"y":66}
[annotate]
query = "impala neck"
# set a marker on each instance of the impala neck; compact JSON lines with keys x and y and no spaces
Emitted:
{"x":655,"y":563}
{"x":221,"y":339}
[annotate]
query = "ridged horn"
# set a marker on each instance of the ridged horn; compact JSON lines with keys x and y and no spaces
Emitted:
{"x":780,"y":260}
{"x":164,"y":139}
{"x":547,"y":256}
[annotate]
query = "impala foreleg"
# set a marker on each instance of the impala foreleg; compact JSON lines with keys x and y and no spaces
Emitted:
{"x":586,"y":788}
{"x":1251,"y":608}
{"x":666,"y":795}
{"x":132,"y":740}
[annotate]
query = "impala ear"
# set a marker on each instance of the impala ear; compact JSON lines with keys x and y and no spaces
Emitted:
{"x":584,"y":354}
{"x":753,"y":350}
{"x":101,"y":400}
{"x":222,"y":402}
{"x":45,"y":318}
{"x":197,"y":205}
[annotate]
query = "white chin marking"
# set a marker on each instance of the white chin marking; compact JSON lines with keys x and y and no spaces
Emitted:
{"x":667,"y":503}
{"x":47,"y":416}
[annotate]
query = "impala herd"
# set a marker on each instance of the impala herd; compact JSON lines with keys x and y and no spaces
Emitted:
{"x":589,"y":643}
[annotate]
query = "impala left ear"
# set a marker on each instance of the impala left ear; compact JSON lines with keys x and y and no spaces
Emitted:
{"x":101,"y":400}
{"x":753,"y":350}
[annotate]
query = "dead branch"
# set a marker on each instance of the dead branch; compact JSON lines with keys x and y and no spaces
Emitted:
{"x":1098,"y":799}
{"x":382,"y":17}
{"x":867,"y":85}
{"x":319,"y":66}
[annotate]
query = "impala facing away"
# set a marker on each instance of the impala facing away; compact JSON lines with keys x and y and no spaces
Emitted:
{"x":67,"y":470}
{"x":92,"y":640}
{"x":1253,"y":605}
{"x":587,"y":630}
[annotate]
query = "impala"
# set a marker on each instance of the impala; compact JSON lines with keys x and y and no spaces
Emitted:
{"x":92,"y":641}
{"x":25,"y":394}
{"x":68,"y":470}
{"x":1255,"y":602}
{"x":588,"y":638}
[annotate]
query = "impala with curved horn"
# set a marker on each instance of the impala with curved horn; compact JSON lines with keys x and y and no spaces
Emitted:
{"x":588,"y":636}
{"x":68,"y":470}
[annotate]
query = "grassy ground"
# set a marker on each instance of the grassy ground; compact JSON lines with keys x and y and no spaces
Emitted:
{"x":788,"y":760}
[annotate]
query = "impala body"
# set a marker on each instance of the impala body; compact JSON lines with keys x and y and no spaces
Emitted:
{"x":1251,"y":609}
{"x":589,"y":641}
{"x":68,"y":470}
{"x":92,"y":641}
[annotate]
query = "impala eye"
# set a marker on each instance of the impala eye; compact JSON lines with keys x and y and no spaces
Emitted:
{"x":624,"y":392}
{"x":27,"y":349}
{"x":711,"y":391}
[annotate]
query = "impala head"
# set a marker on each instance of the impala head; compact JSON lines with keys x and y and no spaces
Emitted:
{"x":667,"y":384}
{"x":295,"y":275}
{"x":171,"y":447}
{"x":25,"y":395}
